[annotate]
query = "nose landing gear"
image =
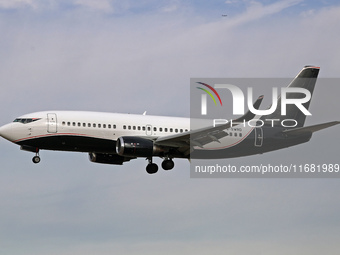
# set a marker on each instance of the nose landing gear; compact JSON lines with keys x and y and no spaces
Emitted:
{"x":36,"y":158}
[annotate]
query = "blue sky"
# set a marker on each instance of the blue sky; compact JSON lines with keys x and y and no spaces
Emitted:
{"x":136,"y":56}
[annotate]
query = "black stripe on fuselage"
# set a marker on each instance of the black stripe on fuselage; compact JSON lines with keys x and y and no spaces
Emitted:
{"x":71,"y":143}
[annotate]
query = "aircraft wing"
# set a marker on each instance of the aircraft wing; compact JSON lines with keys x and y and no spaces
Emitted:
{"x":202,"y":136}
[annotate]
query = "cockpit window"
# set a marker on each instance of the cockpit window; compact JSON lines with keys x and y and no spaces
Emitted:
{"x":25,"y":121}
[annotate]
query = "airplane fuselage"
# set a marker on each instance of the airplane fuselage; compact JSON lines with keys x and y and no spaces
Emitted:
{"x":97,"y":132}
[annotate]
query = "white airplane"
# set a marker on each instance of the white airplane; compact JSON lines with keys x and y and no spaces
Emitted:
{"x":113,"y":138}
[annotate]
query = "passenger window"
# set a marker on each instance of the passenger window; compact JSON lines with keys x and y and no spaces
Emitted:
{"x":94,"y":125}
{"x":114,"y":126}
{"x":79,"y":124}
{"x":104,"y":125}
{"x":138,"y":127}
{"x":160,"y":129}
{"x":181,"y":131}
{"x":154,"y":129}
{"x":170,"y":129}
{"x":235,"y":134}
{"x":240,"y":134}
{"x":143,"y":128}
{"x":109,"y":126}
{"x":84,"y":124}
{"x":129,"y":127}
{"x":63,"y":123}
{"x":165,"y":129}
{"x":99,"y":125}
{"x":134,"y":127}
{"x":149,"y":128}
{"x":124,"y":127}
{"x":176,"y":130}
{"x":186,"y":130}
{"x":89,"y":124}
{"x":68,"y":123}
{"x":73,"y":123}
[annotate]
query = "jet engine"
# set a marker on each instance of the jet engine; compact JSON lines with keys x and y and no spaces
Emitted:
{"x":132,"y":146}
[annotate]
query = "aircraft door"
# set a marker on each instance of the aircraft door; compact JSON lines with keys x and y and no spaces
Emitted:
{"x":52,"y":123}
{"x":258,"y":136}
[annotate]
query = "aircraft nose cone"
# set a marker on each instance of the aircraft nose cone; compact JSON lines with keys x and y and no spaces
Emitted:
{"x":6,"y":132}
{"x":1,"y":130}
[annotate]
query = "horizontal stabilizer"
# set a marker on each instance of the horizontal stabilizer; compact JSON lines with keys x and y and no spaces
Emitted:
{"x":310,"y":129}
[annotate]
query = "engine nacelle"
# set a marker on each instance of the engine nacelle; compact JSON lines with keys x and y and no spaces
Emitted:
{"x":113,"y":159}
{"x":133,"y":146}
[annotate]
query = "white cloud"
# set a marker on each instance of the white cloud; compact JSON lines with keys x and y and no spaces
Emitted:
{"x":173,"y":6}
{"x":256,"y":10}
{"x":100,"y":5}
{"x":15,"y":4}
{"x":231,"y":1}
{"x":170,"y":8}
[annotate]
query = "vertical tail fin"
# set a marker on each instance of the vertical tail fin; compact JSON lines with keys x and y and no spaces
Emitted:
{"x":305,"y":79}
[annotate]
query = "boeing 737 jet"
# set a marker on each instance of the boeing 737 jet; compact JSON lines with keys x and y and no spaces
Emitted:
{"x":113,"y":138}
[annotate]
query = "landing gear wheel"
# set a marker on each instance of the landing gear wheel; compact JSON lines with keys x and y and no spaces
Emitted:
{"x":168,"y":164}
{"x":36,"y":159}
{"x":151,"y":168}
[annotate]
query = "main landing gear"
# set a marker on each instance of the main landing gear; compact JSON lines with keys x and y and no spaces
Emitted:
{"x":168,"y":164}
{"x":152,"y":168}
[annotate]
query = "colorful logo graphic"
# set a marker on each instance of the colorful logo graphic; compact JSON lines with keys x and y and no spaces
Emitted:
{"x":209,"y":93}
